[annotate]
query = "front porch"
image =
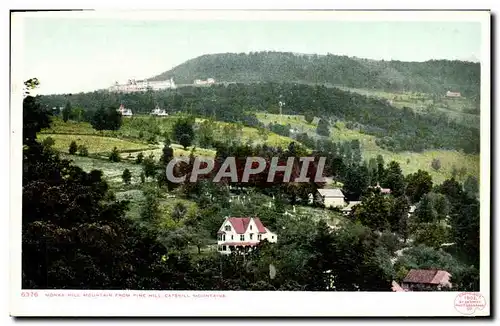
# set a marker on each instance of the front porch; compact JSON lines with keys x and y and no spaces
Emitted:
{"x":238,"y":247}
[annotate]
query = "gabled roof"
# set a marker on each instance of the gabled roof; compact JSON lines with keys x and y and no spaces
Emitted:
{"x":259,"y":225}
{"x":335,"y":192}
{"x":426,"y":276}
{"x":240,"y":224}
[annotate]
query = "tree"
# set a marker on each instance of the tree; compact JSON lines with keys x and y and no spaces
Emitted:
{"x":149,"y":166}
{"x":114,"y":156}
{"x":380,"y":169}
{"x":374,"y":212}
{"x":185,"y":140}
{"x":394,"y":179}
{"x":471,"y":186}
{"x":167,"y":154}
{"x":126,"y":176}
{"x":72,"y":148}
{"x":323,"y":128}
{"x":183,"y":131}
{"x":436,"y":164}
{"x":83,"y":151}
{"x":106,"y":119}
{"x":356,"y":180}
{"x":150,"y":209}
{"x":205,"y":134}
{"x":179,"y":212}
{"x":139,"y":158}
{"x":417,"y":185}
{"x":309,"y":117}
{"x":433,"y":234}
{"x":66,"y":112}
{"x":398,"y":218}
{"x":48,"y":142}
{"x":113,"y":119}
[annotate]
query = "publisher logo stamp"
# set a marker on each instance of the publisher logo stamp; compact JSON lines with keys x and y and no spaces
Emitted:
{"x":468,"y":303}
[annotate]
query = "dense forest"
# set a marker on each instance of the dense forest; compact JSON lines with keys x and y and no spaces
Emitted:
{"x":396,"y":129}
{"x":434,"y":76}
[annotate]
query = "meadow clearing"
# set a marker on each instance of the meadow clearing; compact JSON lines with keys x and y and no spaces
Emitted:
{"x":94,"y":144}
{"x":410,"y":162}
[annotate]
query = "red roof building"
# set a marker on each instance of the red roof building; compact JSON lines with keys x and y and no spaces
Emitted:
{"x":426,"y":279}
{"x":237,"y":233}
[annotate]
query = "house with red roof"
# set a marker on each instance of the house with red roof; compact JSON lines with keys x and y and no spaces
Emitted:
{"x":241,"y":234}
{"x":426,"y":280}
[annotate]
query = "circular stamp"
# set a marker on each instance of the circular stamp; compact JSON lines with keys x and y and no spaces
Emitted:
{"x":468,"y":303}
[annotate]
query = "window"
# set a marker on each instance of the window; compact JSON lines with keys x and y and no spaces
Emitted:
{"x":223,"y":248}
{"x":219,"y":237}
{"x":228,"y":227}
{"x":223,"y":237}
{"x":251,"y":236}
{"x":242,"y":237}
{"x":272,"y":237}
{"x":259,"y":237}
{"x":250,"y":229}
{"x":219,"y":248}
{"x":232,"y":237}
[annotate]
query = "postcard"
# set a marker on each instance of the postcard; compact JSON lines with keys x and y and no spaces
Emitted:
{"x":250,"y":163}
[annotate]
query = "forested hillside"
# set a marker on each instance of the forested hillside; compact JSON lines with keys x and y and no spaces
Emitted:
{"x":434,"y":76}
{"x":396,"y":129}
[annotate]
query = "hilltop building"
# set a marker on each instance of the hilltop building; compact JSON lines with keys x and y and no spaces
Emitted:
{"x":133,"y":85}
{"x":209,"y":81}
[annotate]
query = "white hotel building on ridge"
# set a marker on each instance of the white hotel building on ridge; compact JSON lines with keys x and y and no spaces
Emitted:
{"x":241,"y":234}
{"x":133,"y":85}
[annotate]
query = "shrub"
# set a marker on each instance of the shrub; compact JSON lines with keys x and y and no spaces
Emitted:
{"x":73,"y":148}
{"x":115,"y":155}
{"x":126,"y":176}
{"x":83,"y":151}
{"x":436,"y":164}
{"x":139,"y":158}
{"x":48,"y":142}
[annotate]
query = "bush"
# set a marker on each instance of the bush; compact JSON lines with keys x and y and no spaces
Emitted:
{"x":115,"y":155}
{"x":436,"y":164}
{"x":73,"y":148}
{"x":48,"y":142}
{"x":83,"y":151}
{"x":126,"y":176}
{"x":139,"y":158}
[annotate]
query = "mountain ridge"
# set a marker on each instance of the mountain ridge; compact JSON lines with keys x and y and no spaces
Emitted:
{"x":431,"y":76}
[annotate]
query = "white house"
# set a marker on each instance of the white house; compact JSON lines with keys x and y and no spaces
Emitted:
{"x":159,"y":112}
{"x":125,"y":112}
{"x":241,"y":234}
{"x":332,"y":197}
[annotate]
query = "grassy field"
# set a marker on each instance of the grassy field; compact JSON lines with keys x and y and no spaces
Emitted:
{"x":410,"y":162}
{"x":94,"y":144}
{"x":457,"y":109}
{"x":178,"y":152}
{"x":112,"y":171}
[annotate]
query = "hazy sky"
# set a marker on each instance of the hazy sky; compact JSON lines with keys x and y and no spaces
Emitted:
{"x":69,"y":55}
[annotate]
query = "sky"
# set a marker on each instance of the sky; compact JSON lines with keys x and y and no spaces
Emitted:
{"x":75,"y":55}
